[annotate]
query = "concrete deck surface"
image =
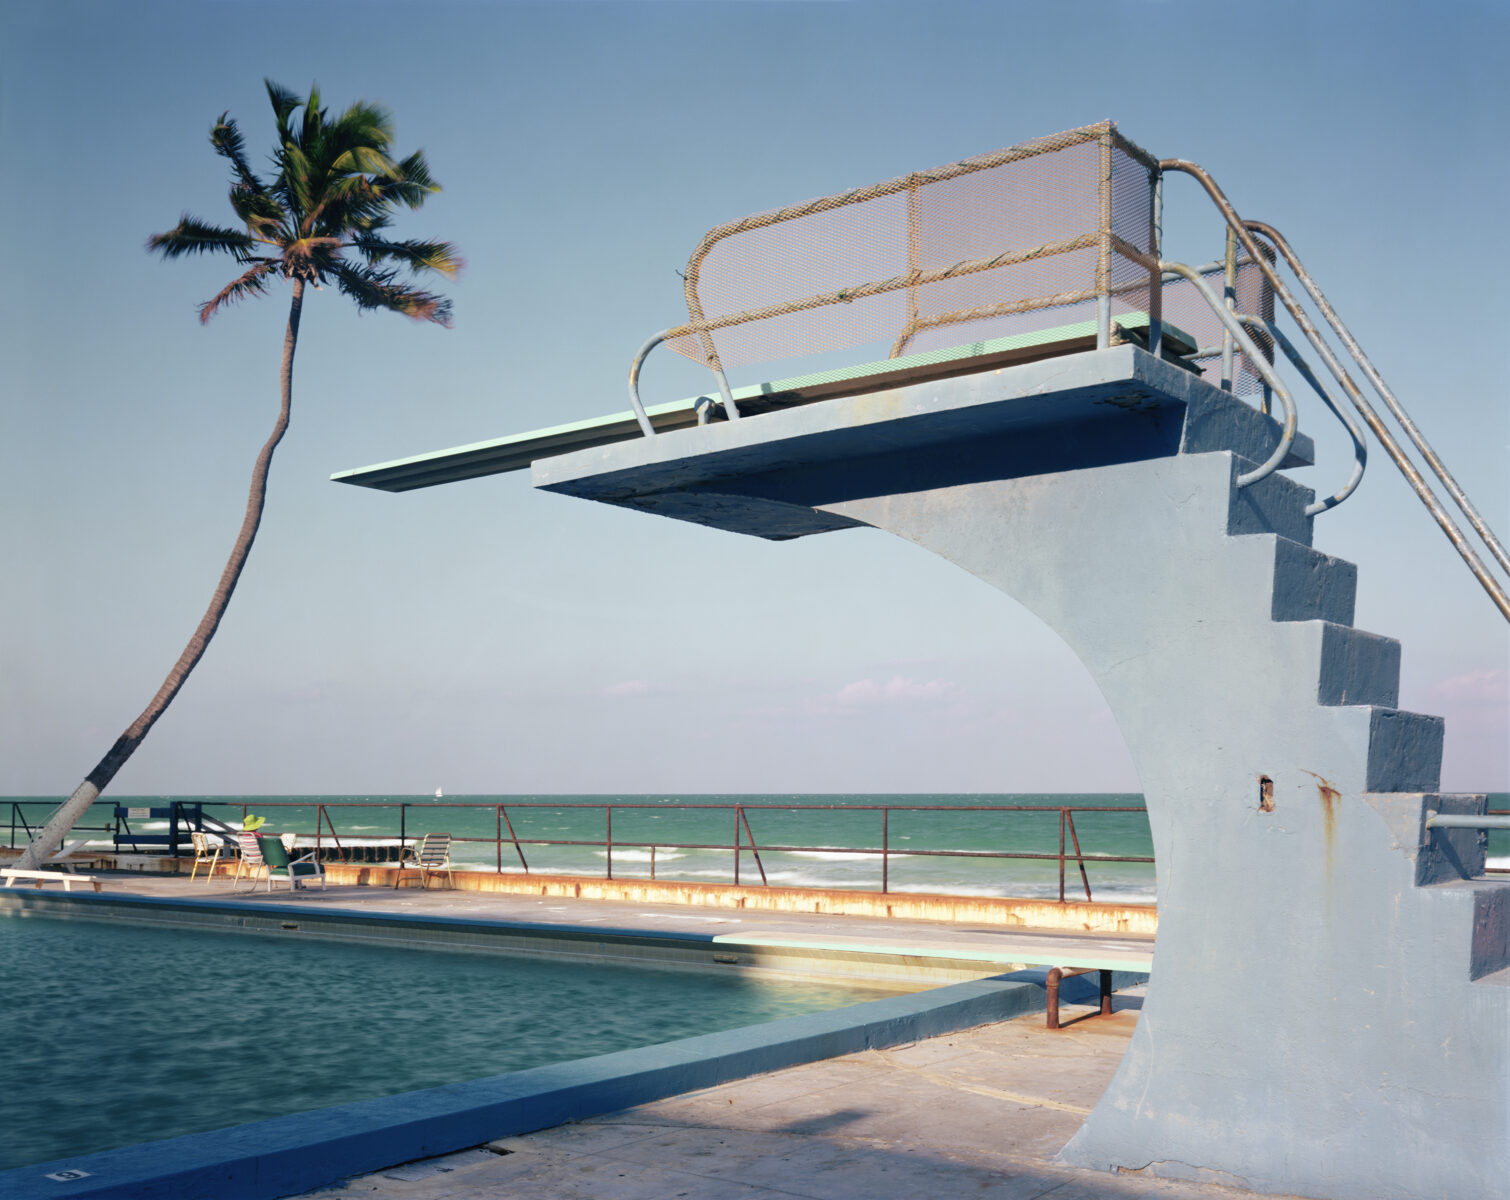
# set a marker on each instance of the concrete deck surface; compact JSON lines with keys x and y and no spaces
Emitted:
{"x":980,"y":1113}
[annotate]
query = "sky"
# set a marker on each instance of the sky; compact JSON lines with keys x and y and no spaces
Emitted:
{"x":486,"y":638}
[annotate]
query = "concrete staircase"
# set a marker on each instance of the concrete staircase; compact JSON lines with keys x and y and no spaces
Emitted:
{"x":1329,"y":1013}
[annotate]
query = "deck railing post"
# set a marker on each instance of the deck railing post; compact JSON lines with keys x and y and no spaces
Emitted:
{"x":737,"y":815}
{"x":608,"y":837}
{"x":1061,"y":856}
{"x":1104,"y":246}
{"x":885,"y":850}
{"x":514,"y":837}
{"x":1079,"y":857}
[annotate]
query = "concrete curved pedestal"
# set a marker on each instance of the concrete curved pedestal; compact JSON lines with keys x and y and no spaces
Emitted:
{"x":1329,"y":1012}
{"x":1312,"y":1025}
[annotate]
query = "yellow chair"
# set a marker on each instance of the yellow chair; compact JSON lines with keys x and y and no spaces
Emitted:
{"x":207,"y":853}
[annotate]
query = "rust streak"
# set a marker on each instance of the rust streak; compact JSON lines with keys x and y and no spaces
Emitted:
{"x":1329,"y":798}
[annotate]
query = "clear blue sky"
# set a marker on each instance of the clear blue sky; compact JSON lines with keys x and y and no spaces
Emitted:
{"x":486,"y":638}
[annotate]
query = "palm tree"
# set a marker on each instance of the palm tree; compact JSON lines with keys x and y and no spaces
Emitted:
{"x":320,"y":219}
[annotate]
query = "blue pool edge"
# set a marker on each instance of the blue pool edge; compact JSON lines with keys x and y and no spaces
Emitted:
{"x":288,"y":1155}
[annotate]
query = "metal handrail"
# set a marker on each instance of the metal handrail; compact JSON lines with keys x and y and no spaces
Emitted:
{"x":1360,"y":446}
{"x":1260,"y":364}
{"x":1468,"y":821}
{"x":1418,"y":439}
{"x":1245,"y":230}
{"x":640,"y":415}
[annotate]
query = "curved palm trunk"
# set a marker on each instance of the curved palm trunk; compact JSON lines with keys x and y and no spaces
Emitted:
{"x":68,"y":813}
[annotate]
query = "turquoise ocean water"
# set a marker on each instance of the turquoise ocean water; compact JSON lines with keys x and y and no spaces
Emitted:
{"x":830,"y":841}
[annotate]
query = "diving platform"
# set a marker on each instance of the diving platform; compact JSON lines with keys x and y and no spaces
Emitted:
{"x":1103,"y":435}
{"x":518,"y":451}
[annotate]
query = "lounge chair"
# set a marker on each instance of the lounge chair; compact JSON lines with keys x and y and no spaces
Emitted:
{"x":38,"y":878}
{"x":433,"y":853}
{"x":277,"y":863}
{"x":250,"y":860}
{"x":63,"y":859}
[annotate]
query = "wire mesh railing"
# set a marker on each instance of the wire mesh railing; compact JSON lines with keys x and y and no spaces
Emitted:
{"x":962,"y":255}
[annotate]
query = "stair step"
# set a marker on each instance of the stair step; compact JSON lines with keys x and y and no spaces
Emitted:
{"x":1358,"y":667}
{"x":1217,"y":420}
{"x":1491,"y":931}
{"x":1275,"y":504}
{"x":1440,"y":855}
{"x":1312,"y":586}
{"x":1404,"y":751}
{"x":1489,"y":945}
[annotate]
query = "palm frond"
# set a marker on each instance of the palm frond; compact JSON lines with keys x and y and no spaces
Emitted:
{"x":351,"y":203}
{"x":416,"y":255}
{"x":250,"y":283}
{"x":362,"y":124}
{"x":412,"y":182}
{"x":228,"y":143}
{"x":262,"y":215}
{"x":372,"y":289}
{"x":314,"y":117}
{"x":365,"y":159}
{"x":284,"y":102}
{"x":296,"y":179}
{"x":193,"y":236}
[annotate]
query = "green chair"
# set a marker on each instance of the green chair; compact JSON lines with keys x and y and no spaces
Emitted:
{"x":275,"y":858}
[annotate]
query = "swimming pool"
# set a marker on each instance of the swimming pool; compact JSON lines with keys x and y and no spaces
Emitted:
{"x":126,"y":1034}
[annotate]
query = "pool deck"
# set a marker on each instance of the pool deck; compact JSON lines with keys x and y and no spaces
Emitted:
{"x":981,"y":1113}
{"x":978,"y":1110}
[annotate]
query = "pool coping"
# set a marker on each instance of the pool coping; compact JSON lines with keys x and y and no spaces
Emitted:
{"x":297,"y":1153}
{"x":895,"y":962}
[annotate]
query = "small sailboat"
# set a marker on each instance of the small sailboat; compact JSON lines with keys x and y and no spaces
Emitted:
{"x":439,"y":795}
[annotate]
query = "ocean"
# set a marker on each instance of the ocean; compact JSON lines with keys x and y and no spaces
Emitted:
{"x":944,"y":843}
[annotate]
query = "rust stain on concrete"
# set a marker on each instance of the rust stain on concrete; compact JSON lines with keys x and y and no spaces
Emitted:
{"x":987,"y":910}
{"x":1329,"y":798}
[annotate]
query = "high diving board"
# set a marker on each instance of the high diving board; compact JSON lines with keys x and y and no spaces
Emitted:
{"x":518,"y":451}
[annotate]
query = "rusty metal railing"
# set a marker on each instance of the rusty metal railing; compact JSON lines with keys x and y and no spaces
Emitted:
{"x":1068,"y":856}
{"x":743,"y":841}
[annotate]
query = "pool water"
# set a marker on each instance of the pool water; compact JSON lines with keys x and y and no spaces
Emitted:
{"x":118,"y":1034}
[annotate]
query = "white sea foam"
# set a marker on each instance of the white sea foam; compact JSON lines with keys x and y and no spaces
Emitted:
{"x":1497,"y":864}
{"x":641,"y":855}
{"x":1015,"y":889}
{"x":842,"y":855}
